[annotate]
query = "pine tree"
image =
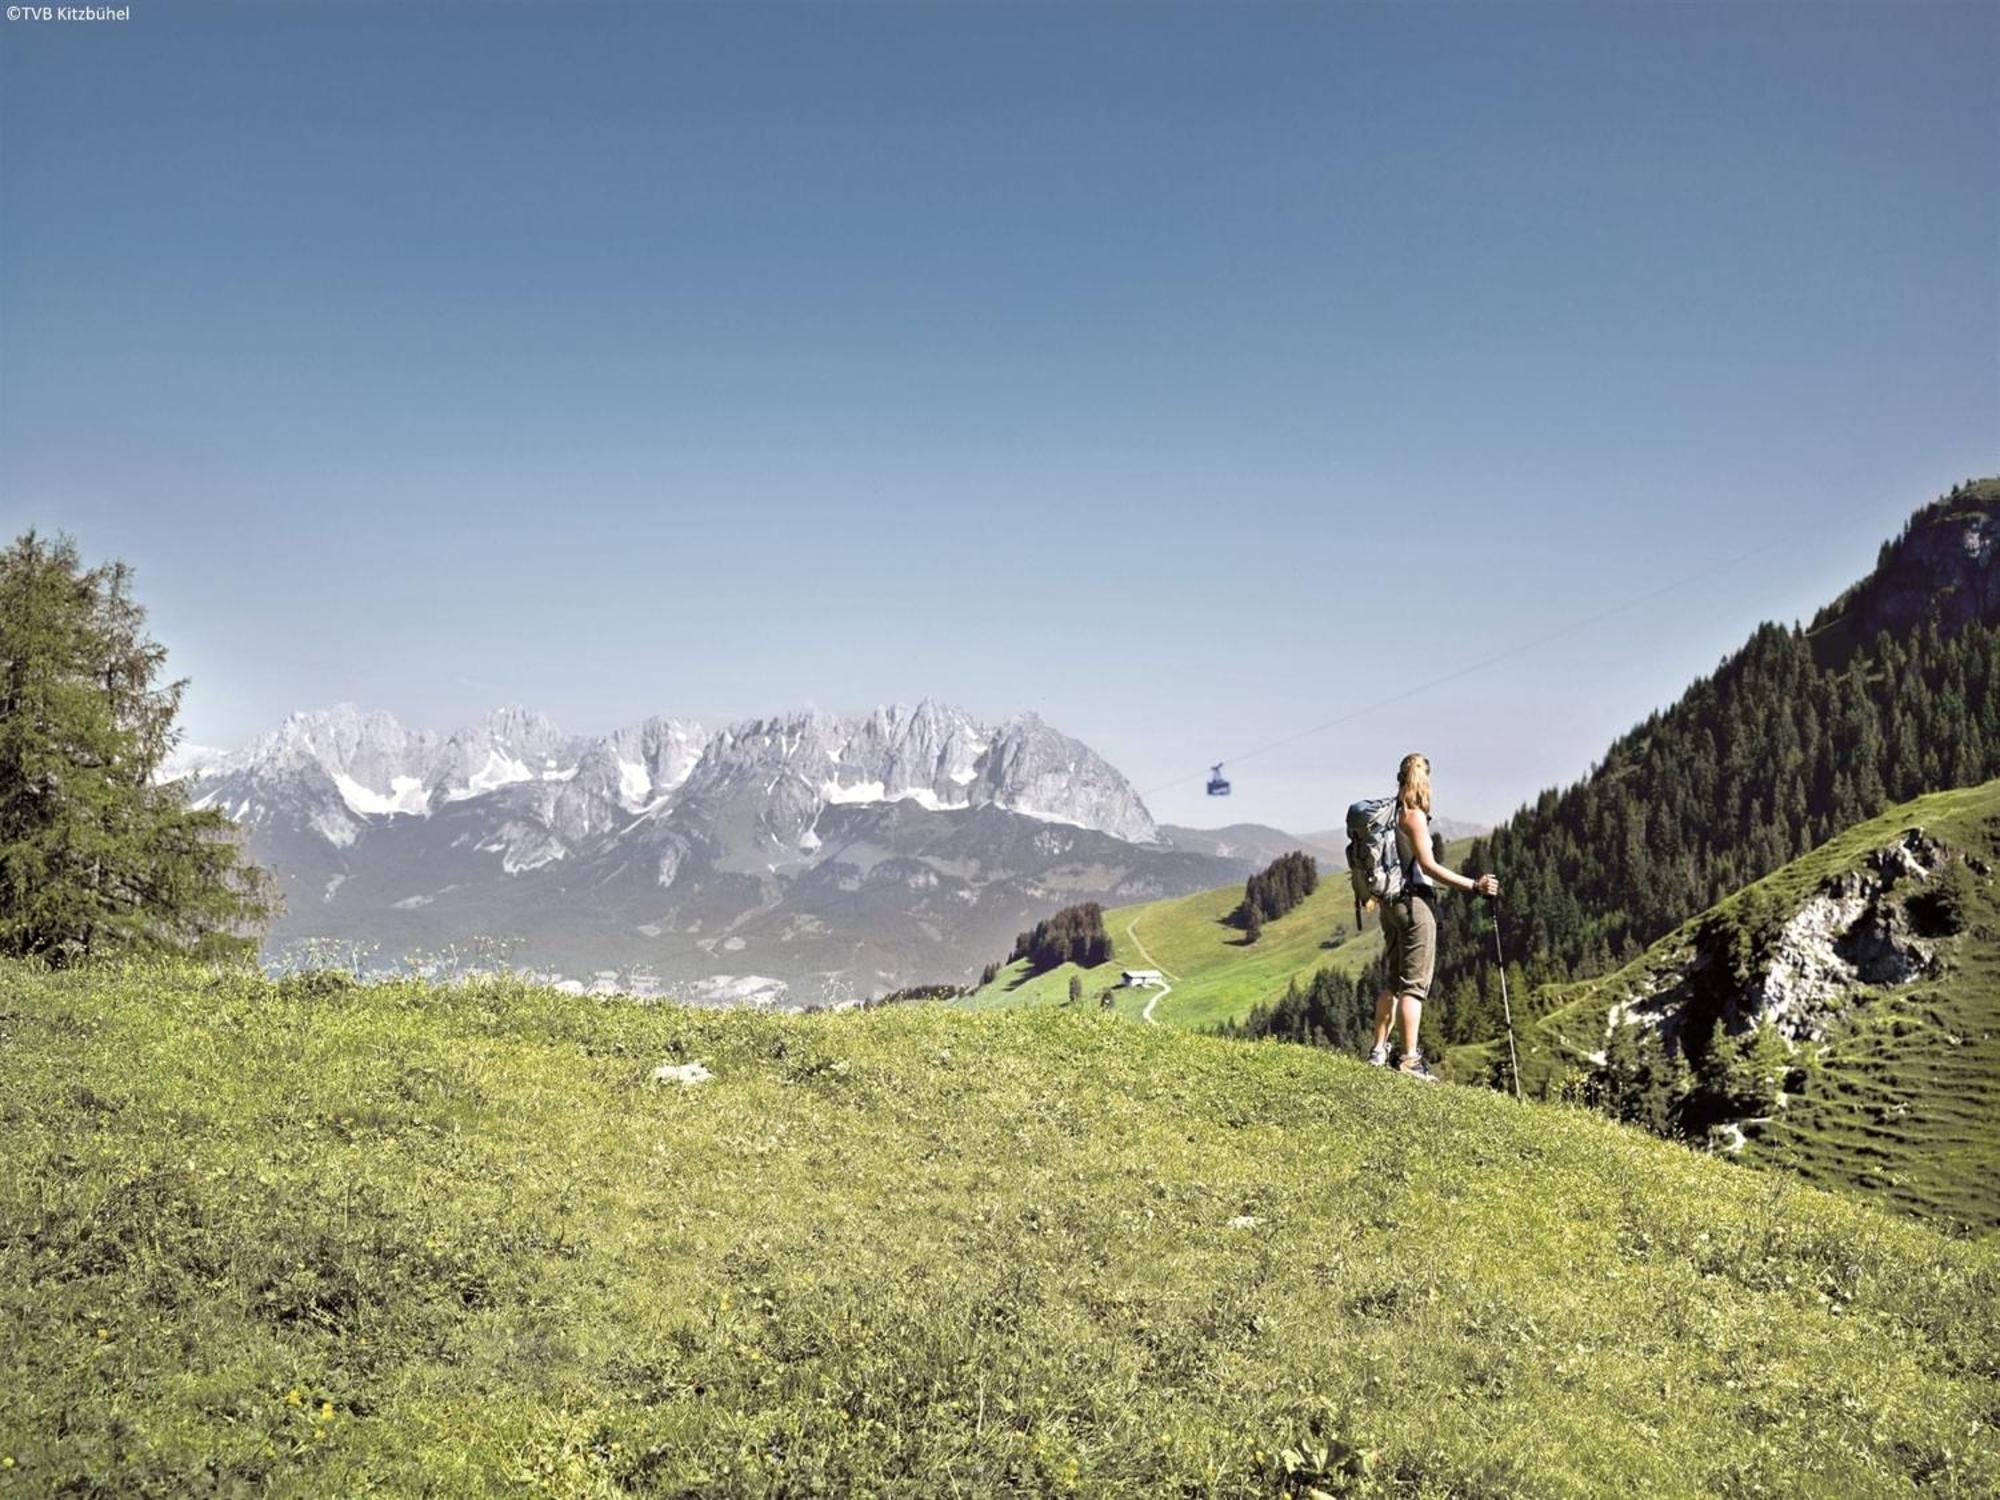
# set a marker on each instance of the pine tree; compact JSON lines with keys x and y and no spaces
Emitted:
{"x":96,"y":856}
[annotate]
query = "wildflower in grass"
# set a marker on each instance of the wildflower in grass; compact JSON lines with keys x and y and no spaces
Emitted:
{"x":294,"y":1398}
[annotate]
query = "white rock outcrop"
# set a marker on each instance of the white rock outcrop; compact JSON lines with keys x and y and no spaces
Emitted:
{"x":686,"y":1075}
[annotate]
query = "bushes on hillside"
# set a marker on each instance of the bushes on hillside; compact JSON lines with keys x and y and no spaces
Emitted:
{"x":915,"y":993}
{"x":1275,"y":890}
{"x":1074,"y":935}
{"x":1646,"y":1081}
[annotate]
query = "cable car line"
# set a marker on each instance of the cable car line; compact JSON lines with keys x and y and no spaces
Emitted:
{"x":1627,"y":605}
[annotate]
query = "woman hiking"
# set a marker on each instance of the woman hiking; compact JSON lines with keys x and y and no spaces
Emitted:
{"x":1409,"y":921}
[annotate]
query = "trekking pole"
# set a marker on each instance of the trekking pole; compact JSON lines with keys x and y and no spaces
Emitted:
{"x":1506,"y":1006}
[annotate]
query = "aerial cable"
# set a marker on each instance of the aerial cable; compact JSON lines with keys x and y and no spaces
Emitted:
{"x":1520,"y":649}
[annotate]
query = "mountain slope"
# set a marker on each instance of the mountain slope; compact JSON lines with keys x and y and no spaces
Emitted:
{"x":1877,"y":958}
{"x":1255,"y":841}
{"x":336,"y":1241}
{"x":1216,"y":977}
{"x":1893,"y":692}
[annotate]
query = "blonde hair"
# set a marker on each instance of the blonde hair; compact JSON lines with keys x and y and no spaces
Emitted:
{"x":1413,"y":782}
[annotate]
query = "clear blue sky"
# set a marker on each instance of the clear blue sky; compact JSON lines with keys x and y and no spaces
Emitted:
{"x":1183,"y":373}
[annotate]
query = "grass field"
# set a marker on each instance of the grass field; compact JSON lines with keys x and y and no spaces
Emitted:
{"x":1215,"y":976}
{"x":1904,"y":1105}
{"x":307,"y":1239}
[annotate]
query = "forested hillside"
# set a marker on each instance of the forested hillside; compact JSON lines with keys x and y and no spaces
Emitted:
{"x":1892,"y":692}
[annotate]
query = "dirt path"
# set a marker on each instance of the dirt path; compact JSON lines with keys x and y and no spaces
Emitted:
{"x":1146,"y":1015}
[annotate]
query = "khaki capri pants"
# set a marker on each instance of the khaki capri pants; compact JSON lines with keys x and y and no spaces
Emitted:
{"x":1410,"y":939}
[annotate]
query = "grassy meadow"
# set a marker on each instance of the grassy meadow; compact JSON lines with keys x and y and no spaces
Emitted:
{"x":305,"y":1238}
{"x":1216,"y":976}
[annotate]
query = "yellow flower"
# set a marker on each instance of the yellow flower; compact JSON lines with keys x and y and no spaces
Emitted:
{"x":326,"y":1411}
{"x":103,"y":1333}
{"x":293,"y":1398}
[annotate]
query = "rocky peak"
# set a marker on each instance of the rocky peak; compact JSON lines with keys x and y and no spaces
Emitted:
{"x":509,"y":745}
{"x":651,"y":760}
{"x":336,"y":768}
{"x":1034,"y":769}
{"x":935,"y":755}
{"x":1939,"y":571}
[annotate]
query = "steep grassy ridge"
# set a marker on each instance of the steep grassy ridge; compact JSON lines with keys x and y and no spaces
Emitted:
{"x":1902,"y":1103}
{"x":304,"y":1239}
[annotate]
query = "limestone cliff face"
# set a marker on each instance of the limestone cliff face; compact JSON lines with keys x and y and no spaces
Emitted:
{"x":1855,"y":930}
{"x":1800,"y":969}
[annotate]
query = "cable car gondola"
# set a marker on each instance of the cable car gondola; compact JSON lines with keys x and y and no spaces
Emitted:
{"x":1217,"y":786}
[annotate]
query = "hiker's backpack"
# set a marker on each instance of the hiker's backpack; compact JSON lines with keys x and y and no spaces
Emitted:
{"x":1373,"y":863}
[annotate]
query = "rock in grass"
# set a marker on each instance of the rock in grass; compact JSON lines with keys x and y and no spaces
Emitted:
{"x":687,"y":1075}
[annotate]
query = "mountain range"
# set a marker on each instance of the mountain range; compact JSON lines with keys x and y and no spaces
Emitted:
{"x":810,"y":856}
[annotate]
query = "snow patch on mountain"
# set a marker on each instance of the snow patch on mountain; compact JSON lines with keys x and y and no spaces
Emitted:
{"x":406,"y":794}
{"x":498,"y":770}
{"x":635,"y":786}
{"x":862,"y":793}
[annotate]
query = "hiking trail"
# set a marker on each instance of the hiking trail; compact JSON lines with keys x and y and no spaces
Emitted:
{"x":1146,"y":1015}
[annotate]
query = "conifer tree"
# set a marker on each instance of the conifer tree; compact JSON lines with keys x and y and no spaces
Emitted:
{"x":97,"y":856}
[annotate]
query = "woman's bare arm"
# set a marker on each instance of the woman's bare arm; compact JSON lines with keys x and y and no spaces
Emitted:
{"x":1418,"y":827}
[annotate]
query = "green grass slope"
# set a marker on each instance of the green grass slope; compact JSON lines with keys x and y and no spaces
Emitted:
{"x":1903,"y":1104}
{"x":1215,"y":977}
{"x":300,"y":1239}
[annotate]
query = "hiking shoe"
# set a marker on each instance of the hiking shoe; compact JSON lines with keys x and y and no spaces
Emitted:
{"x":1379,"y":1058}
{"x":1414,"y":1066}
